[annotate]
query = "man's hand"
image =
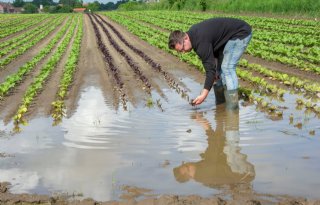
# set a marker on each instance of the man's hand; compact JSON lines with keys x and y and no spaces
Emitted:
{"x":201,"y":97}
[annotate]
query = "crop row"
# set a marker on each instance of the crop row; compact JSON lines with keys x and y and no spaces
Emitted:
{"x":20,"y":40}
{"x":298,"y":83}
{"x":150,"y":36}
{"x":155,"y":38}
{"x":58,"y":106}
{"x":156,"y":66}
{"x":274,"y":52}
{"x":256,"y":23}
{"x":12,"y":80}
{"x":40,"y":79}
{"x":13,"y":20}
{"x":112,"y":67}
{"x":9,"y":58}
{"x":24,"y":35}
{"x":129,"y":60}
{"x":33,"y":21}
{"x":259,"y":23}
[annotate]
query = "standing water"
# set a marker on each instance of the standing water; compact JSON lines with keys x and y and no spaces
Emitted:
{"x":203,"y":150}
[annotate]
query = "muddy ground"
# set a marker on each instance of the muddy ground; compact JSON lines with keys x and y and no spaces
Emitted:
{"x":93,"y":70}
{"x":133,"y":192}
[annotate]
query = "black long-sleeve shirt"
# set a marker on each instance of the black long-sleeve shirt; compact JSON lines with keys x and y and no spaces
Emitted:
{"x":209,"y":37}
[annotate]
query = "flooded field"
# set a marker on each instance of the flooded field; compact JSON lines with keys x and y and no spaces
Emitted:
{"x":184,"y":150}
{"x":128,"y":132}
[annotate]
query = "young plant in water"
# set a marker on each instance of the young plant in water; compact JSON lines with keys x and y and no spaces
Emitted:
{"x":149,"y":103}
{"x":192,"y":103}
{"x":291,"y":118}
{"x":299,"y":101}
{"x":159,"y":104}
{"x":312,"y":132}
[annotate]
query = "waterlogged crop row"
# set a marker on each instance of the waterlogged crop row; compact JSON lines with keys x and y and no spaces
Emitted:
{"x":157,"y":67}
{"x":129,"y":60}
{"x":109,"y":60}
{"x":191,"y":57}
{"x":40,"y":79}
{"x":21,"y":40}
{"x":12,"y":80}
{"x":58,"y":106}
{"x":156,"y":38}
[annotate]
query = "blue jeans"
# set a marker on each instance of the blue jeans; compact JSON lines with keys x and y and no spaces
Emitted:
{"x":232,"y":52}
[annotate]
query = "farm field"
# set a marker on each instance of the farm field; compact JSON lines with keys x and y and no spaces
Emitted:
{"x":96,"y":106}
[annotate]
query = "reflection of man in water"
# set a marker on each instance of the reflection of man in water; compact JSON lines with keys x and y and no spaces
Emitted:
{"x":222,"y":163}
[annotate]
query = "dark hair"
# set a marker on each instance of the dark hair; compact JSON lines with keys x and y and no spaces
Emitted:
{"x":175,"y":37}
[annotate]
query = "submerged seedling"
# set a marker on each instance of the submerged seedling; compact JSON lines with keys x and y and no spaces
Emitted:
{"x":192,"y":103}
{"x":159,"y":104}
{"x":298,"y":125}
{"x":149,"y":103}
{"x":312,"y":132}
{"x":291,"y":118}
{"x":299,"y":101}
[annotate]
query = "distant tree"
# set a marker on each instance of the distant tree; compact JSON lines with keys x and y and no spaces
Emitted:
{"x":171,"y":2}
{"x":65,"y":9}
{"x":108,"y":6}
{"x":43,"y":2}
{"x":121,"y":2}
{"x":78,"y":4}
{"x":203,"y":5}
{"x":95,"y":6}
{"x":18,"y":3}
{"x":71,"y":3}
{"x":30,"y":8}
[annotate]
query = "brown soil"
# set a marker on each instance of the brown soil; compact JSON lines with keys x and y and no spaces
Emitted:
{"x":91,"y":70}
{"x":7,"y":198}
{"x":169,"y":62}
{"x":42,"y":104}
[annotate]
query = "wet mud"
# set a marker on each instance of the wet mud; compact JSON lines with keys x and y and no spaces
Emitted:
{"x":7,"y":198}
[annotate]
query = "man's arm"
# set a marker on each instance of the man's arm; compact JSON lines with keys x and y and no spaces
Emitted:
{"x":205,"y":53}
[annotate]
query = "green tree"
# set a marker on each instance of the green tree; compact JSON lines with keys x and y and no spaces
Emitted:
{"x":71,"y":3}
{"x":65,"y":9}
{"x":43,"y":2}
{"x":203,"y":5}
{"x":78,"y":4}
{"x":18,"y":3}
{"x":171,"y":2}
{"x":95,"y":6}
{"x":108,"y":6}
{"x":30,"y":8}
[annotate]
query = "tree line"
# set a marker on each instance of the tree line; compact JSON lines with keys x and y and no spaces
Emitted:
{"x":64,"y":6}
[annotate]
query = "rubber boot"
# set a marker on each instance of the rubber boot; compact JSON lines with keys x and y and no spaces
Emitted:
{"x":219,"y":93}
{"x":232,"y":100}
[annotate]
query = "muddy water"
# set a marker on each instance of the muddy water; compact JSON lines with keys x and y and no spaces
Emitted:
{"x":202,"y":150}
